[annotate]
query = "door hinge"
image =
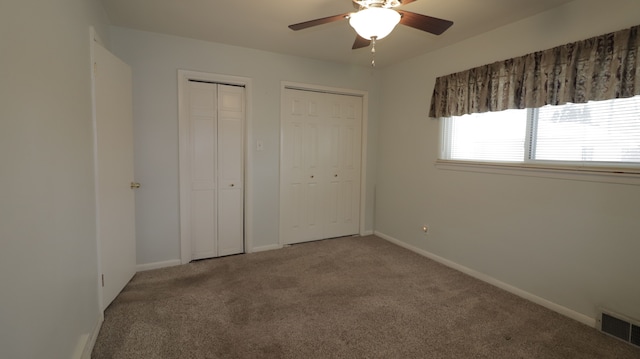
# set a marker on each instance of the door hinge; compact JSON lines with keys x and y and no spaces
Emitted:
{"x":103,"y":280}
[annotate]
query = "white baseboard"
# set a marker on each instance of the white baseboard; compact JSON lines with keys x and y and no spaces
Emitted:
{"x":157,"y":265}
{"x":495,"y":282}
{"x":265,"y":248}
{"x":366,"y":233}
{"x":81,"y":347}
{"x":88,"y":341}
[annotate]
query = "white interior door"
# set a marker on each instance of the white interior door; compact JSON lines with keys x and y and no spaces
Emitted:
{"x":320,"y":165}
{"x":213,"y":165}
{"x":114,"y":172}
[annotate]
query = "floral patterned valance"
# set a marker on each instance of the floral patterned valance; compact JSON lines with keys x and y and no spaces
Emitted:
{"x":600,"y":68}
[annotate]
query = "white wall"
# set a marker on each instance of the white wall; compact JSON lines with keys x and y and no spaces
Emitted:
{"x":48,"y":270}
{"x":155,"y":59}
{"x":573,"y":243}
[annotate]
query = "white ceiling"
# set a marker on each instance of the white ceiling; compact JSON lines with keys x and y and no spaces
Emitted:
{"x":262,"y":24}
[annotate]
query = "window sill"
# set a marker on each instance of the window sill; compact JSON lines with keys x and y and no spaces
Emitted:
{"x":628,"y":176}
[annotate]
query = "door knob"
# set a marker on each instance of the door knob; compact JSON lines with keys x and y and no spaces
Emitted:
{"x":135,"y":185}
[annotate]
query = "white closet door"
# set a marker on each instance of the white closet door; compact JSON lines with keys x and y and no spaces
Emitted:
{"x":230,"y":170}
{"x":343,"y":165}
{"x":320,"y":165}
{"x":300,"y":197}
{"x":203,"y":164}
{"x":215,"y":167}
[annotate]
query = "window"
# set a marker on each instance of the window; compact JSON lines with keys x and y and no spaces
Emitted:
{"x":602,"y":133}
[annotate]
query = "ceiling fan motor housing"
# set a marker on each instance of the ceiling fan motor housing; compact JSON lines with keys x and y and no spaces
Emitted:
{"x":378,"y":3}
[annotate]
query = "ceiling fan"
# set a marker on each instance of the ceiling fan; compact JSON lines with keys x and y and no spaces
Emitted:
{"x":376,"y":19}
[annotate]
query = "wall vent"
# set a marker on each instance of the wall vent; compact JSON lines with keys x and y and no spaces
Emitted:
{"x":620,"y":327}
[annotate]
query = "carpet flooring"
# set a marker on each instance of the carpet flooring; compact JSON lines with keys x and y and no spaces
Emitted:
{"x":355,"y":297}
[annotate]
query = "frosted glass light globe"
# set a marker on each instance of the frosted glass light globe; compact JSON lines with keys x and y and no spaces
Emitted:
{"x":374,"y":22}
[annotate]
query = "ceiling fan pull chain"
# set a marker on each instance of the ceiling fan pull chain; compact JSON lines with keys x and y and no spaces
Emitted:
{"x":373,"y":51}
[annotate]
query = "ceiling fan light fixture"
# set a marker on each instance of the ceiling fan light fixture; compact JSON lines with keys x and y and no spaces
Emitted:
{"x":375,"y":22}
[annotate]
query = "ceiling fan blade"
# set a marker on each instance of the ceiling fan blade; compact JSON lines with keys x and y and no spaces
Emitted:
{"x":321,"y":21}
{"x":423,"y":22}
{"x":360,"y":42}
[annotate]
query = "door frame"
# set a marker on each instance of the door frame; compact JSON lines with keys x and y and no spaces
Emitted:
{"x":288,"y":85}
{"x":183,"y":131}
{"x":94,"y":38}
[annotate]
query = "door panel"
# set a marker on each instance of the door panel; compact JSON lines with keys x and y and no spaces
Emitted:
{"x":333,"y":202}
{"x":294,"y":217}
{"x":230,"y":170}
{"x":203,"y":175}
{"x":203,"y":223}
{"x":203,"y":149}
{"x":230,"y":222}
{"x":346,"y":175}
{"x":114,"y":172}
{"x":333,"y":149}
{"x":312,"y":151}
{"x":351,"y":163}
{"x":313,"y":209}
{"x":230,"y":152}
{"x":293,"y":168}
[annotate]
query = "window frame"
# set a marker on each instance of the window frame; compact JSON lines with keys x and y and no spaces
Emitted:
{"x":592,"y":171}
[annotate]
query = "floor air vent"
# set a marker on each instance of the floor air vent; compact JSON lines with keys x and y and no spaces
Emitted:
{"x":635,"y":335}
{"x":620,"y":327}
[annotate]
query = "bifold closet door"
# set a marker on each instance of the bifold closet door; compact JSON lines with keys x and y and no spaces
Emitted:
{"x":216,"y":120}
{"x":320,"y":165}
{"x":230,"y":170}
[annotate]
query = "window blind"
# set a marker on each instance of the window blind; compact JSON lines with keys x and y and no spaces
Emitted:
{"x":599,"y":131}
{"x":498,"y":136}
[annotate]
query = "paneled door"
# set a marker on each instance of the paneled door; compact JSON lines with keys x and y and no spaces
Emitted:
{"x":213,"y":169}
{"x":320,"y":165}
{"x":114,"y":172}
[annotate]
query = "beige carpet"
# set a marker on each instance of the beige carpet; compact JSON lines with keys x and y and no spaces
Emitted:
{"x":340,"y":298}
